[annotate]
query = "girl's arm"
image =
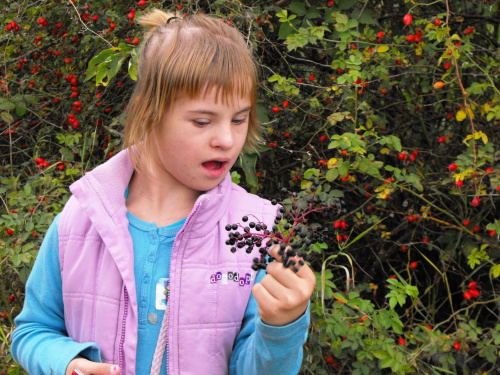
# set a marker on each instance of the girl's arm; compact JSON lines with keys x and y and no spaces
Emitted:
{"x":40,"y":342}
{"x":264,"y":349}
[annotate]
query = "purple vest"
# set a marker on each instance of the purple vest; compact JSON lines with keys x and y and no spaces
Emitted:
{"x":209,"y":286}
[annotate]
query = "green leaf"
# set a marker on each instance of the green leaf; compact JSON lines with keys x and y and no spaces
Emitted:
{"x":380,"y":354}
{"x":7,"y":117}
{"x":368,"y":17}
{"x":7,"y":106}
{"x":262,"y":114}
{"x":346,"y":4}
{"x":298,"y":8}
{"x":235,"y":177}
{"x":96,"y":61}
{"x":312,"y":12}
{"x":285,"y":30}
{"x":388,"y":362}
{"x":495,"y":270}
{"x":331,"y":175}
{"x":248,"y":163}
{"x":20,"y":109}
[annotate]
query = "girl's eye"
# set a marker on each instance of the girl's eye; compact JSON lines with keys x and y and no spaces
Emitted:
{"x":200,"y":123}
{"x":239,"y":121}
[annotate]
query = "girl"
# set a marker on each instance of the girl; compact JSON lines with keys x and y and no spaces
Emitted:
{"x":134,"y":275}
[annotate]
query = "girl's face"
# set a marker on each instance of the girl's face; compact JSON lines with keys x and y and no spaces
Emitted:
{"x":200,"y":140}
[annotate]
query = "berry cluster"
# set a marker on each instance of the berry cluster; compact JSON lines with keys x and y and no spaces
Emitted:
{"x":291,"y":230}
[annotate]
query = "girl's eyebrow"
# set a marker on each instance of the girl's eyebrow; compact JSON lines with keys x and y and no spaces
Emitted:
{"x":206,"y":112}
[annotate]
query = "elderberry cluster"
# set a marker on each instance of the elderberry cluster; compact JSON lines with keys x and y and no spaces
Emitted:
{"x":291,"y":230}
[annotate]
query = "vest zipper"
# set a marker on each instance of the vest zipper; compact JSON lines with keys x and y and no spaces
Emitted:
{"x":122,"y":338}
{"x":188,"y":219}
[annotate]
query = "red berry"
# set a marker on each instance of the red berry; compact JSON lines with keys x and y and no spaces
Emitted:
{"x":10,"y":232}
{"x":142,"y":3}
{"x":447,"y":65}
{"x":135,"y":41}
{"x":285,"y":104}
{"x":459,"y":183}
{"x":489,"y":170}
{"x":286,"y":135}
{"x":311,"y":77}
{"x":492,"y":232}
{"x":322,"y":138}
{"x":452,"y":167}
{"x":410,"y":38}
{"x":11,"y":298}
{"x":299,"y":80}
{"x":413,"y":265}
{"x":475,"y":202}
{"x":411,"y":218}
{"x":449,"y":116}
{"x":407,"y":19}
{"x":336,"y":225}
{"x":380,"y":34}
{"x":35,"y":235}
{"x":425,"y":240}
{"x":131,"y":15}
{"x":329,"y":359}
{"x":404,"y":248}
{"x":442,"y":139}
{"x":41,"y":21}
{"x":276,"y":109}
{"x":95,"y":17}
{"x":456,"y":346}
{"x":475,"y":228}
{"x":67,"y":60}
{"x":363,"y":318}
{"x":466,"y":222}
{"x":467,"y":296}
{"x":402,"y":341}
{"x":474,"y":293}
{"x":438,"y":85}
{"x":469,"y":30}
{"x":437,"y":22}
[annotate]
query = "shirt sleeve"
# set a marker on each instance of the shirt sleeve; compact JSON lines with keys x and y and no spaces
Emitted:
{"x":40,"y":342}
{"x":263,"y":349}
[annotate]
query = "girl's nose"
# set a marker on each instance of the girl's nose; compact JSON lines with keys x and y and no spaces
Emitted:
{"x":223,"y":137}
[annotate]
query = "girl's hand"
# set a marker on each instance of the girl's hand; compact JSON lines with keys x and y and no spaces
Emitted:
{"x":92,"y":368}
{"x":283,"y":295}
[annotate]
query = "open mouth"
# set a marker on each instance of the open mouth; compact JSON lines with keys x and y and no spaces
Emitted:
{"x":213,"y":165}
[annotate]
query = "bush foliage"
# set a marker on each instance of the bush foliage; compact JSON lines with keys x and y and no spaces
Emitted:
{"x":393,"y":107}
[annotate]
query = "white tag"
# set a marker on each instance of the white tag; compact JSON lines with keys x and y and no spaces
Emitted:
{"x":162,"y":288}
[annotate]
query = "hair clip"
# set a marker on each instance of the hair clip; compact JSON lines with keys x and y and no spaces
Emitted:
{"x":172,"y":18}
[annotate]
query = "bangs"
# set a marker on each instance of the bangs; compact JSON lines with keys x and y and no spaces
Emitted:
{"x":210,"y":63}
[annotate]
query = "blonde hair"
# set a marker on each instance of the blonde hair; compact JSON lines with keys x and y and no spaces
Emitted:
{"x":186,"y":57}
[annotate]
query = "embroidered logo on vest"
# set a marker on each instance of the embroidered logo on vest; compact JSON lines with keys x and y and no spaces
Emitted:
{"x":223,"y":278}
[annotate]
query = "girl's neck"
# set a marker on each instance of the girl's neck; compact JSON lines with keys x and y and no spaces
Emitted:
{"x":152,"y":200}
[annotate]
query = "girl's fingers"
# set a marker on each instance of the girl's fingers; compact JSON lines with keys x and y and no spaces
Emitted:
{"x":263,"y":297}
{"x":274,"y":287}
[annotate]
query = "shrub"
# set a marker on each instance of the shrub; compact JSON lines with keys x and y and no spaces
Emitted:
{"x":396,"y":117}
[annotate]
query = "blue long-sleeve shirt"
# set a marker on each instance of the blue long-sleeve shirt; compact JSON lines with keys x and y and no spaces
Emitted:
{"x":41,"y":345}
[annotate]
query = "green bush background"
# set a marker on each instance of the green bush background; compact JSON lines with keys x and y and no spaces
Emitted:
{"x":355,"y":107}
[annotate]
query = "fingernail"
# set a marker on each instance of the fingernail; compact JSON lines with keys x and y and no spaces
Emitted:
{"x":114,"y":369}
